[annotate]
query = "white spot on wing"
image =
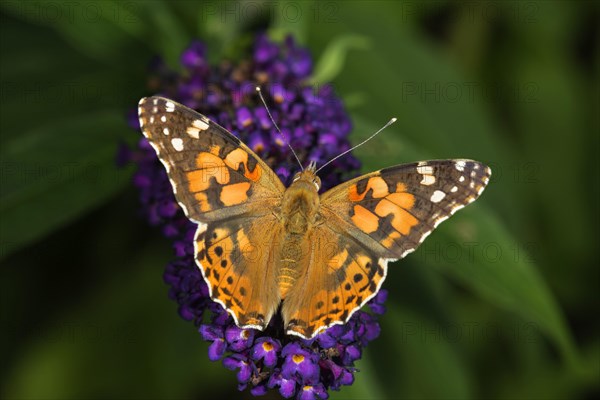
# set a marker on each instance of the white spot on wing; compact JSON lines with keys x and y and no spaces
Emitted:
{"x":170,"y":106}
{"x":461,"y":179}
{"x":201,"y":125}
{"x":428,"y":180}
{"x":177,"y":144}
{"x":163,"y":118}
{"x":454,"y":189}
{"x":425,"y":170}
{"x":460,"y":165}
{"x":193,"y":132}
{"x":437,"y":196}
{"x":166,"y":131}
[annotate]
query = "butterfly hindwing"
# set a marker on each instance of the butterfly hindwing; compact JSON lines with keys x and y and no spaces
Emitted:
{"x":238,"y":266}
{"x":213,"y":174}
{"x":339,"y":277}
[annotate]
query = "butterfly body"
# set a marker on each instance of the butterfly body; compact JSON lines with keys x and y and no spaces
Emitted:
{"x":262,"y":247}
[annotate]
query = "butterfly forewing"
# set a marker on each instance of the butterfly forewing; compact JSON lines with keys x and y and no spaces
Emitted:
{"x":214,"y":175}
{"x":395,"y":209}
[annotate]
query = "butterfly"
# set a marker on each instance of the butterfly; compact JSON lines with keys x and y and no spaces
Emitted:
{"x":314,"y":258}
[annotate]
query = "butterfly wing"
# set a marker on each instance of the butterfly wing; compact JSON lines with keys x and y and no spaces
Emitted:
{"x":237,"y":260}
{"x":230,"y":192}
{"x":340,"y":275}
{"x":371,"y":220}
{"x":213,"y":174}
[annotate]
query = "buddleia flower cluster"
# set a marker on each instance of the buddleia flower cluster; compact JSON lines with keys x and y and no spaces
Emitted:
{"x":316,"y":125}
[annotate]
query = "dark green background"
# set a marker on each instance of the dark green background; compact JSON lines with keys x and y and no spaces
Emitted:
{"x":501,"y":302}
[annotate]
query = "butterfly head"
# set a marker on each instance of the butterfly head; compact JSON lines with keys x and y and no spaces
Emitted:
{"x":308,"y":176}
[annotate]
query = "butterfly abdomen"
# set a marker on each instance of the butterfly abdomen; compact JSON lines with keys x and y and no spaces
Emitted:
{"x":299,"y":209}
{"x":290,"y":262}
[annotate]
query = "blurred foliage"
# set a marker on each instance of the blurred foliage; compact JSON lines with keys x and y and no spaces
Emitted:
{"x":498,"y":303}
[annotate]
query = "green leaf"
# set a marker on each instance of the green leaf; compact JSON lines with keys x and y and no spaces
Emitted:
{"x":97,"y":29}
{"x":56,"y":172}
{"x":167,"y":31}
{"x":289,"y":18}
{"x":487,"y":259}
{"x":420,"y":368}
{"x":333,"y":58}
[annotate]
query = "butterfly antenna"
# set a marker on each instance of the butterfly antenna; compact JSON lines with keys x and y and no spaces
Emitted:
{"x":276,"y":127}
{"x":391,"y":121}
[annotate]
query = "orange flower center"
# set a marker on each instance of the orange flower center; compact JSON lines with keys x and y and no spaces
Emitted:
{"x":267,"y":346}
{"x":298,"y":358}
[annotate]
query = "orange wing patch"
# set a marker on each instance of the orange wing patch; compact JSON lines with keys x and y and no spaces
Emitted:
{"x":240,"y":156}
{"x":364,"y":219}
{"x":218,"y":182}
{"x":376,"y":184}
{"x":375,"y":202}
{"x":402,"y":220}
{"x":236,"y":193}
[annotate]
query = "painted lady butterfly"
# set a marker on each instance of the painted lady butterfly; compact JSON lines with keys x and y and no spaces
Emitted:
{"x":264,"y":248}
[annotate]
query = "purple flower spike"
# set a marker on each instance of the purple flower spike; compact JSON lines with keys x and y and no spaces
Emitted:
{"x":317,"y":125}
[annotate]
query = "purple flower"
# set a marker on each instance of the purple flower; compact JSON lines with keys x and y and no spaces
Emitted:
{"x":242,"y":364}
{"x":214,"y":334}
{"x":266,"y":349}
{"x":310,"y":392}
{"x":287,"y":387}
{"x":239,"y":339}
{"x":316,"y":124}
{"x":300,"y":363}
